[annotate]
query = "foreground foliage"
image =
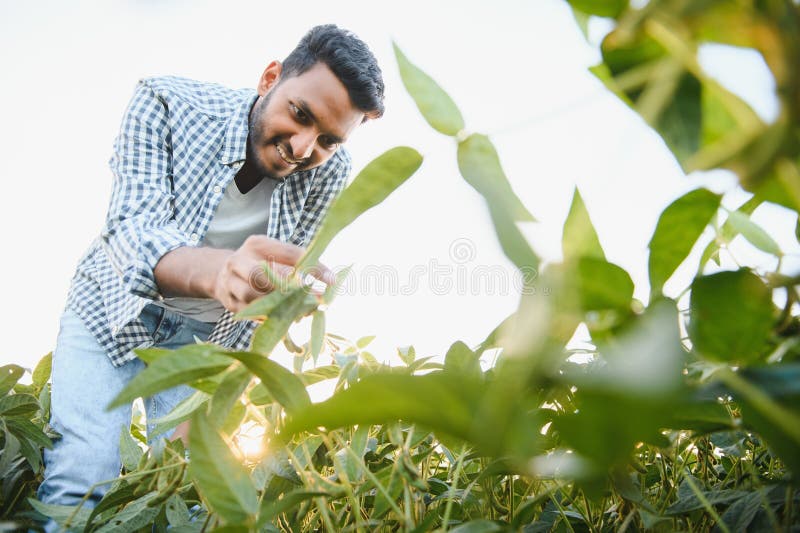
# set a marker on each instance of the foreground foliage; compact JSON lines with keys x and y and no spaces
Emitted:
{"x":681,"y":414}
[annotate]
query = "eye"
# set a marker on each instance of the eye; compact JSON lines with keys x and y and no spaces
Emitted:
{"x":328,"y":142}
{"x":298,"y":113}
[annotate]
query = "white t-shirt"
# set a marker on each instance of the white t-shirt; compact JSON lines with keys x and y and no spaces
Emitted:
{"x":237,"y":217}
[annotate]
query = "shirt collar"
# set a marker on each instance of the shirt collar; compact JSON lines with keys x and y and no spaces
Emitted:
{"x":234,"y":148}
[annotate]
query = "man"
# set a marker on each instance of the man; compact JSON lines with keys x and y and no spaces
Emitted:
{"x":209,"y":184}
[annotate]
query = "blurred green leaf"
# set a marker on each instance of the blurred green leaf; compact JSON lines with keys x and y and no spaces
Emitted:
{"x":754,"y":233}
{"x":600,"y":8}
{"x":222,"y":480}
{"x":480,"y":166}
{"x":184,"y":365}
{"x":432,"y":101}
{"x":602,"y":285}
{"x":768,"y":397}
{"x":678,"y":228}
{"x":283,"y":385}
{"x":580,"y":238}
{"x":439,"y":401}
{"x":317,"y":333}
{"x":461,"y":360}
{"x":731,"y":316}
{"x":373,"y":184}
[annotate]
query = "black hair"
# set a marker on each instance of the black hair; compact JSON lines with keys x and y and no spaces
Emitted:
{"x":350,"y":60}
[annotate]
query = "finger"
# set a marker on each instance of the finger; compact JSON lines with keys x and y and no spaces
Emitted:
{"x":322,"y":273}
{"x":274,"y":250}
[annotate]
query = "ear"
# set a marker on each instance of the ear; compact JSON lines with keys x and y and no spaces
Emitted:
{"x":269,"y":78}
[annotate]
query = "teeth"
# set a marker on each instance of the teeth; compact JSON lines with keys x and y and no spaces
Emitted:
{"x":286,"y":157}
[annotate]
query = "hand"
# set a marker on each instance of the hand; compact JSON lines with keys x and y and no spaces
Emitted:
{"x":241,"y":278}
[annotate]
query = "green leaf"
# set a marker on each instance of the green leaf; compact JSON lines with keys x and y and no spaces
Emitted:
{"x":228,"y":394}
{"x":602,"y":285}
{"x":731,"y":316}
{"x":365,"y":341}
{"x":580,"y":238}
{"x":373,"y":184}
{"x":480,"y":166}
{"x":41,"y":374}
{"x":461,"y":360}
{"x":177,"y":511}
{"x":261,"y":308}
{"x":62,"y":513}
{"x":9,"y":375}
{"x":688,"y":500}
{"x":184,"y":365}
{"x":10,"y":450}
{"x":436,"y":400}
{"x":294,"y":305}
{"x":18,"y":404}
{"x":283,"y":385}
{"x":678,"y":228}
{"x":582,"y":20}
{"x":479,"y":526}
{"x":320,"y":373}
{"x":222,"y":480}
{"x":120,"y":493}
{"x":270,"y":509}
{"x":600,"y":8}
{"x":129,"y":452}
{"x":133,"y":517}
{"x":432,"y":101}
{"x":407,"y":354}
{"x":739,"y":515}
{"x":317,"y":333}
{"x":754,"y":233}
{"x":769,"y":397}
{"x":182,"y":411}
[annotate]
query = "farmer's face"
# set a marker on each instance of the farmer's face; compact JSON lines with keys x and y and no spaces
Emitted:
{"x":298,"y":123}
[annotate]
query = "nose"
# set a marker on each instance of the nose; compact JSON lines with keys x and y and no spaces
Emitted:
{"x":303,"y":143}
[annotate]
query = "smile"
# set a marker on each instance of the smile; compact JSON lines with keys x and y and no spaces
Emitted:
{"x":285,"y":157}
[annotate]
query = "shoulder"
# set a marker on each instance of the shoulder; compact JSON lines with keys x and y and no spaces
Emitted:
{"x":211,"y":99}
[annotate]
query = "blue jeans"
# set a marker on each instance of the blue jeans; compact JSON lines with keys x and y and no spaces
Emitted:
{"x":83,"y":383}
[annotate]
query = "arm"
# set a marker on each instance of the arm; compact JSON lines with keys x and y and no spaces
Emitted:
{"x":150,"y":252}
{"x":140,"y":225}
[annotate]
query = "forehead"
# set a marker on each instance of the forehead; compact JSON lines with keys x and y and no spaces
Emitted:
{"x":326,"y":98}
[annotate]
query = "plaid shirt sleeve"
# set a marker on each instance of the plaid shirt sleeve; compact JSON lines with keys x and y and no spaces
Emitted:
{"x":140,"y":226}
{"x":327,"y":185}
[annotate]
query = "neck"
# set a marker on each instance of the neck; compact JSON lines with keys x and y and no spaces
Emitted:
{"x":247,"y":178}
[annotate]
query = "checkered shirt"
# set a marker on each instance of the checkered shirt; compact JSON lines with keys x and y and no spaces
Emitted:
{"x":180,"y":144}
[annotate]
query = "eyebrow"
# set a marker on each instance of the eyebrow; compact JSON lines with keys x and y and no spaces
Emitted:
{"x":303,"y":105}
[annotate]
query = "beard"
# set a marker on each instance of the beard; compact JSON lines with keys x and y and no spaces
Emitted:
{"x":255,"y":136}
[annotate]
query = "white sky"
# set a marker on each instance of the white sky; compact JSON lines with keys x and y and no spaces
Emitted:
{"x":517,"y":69}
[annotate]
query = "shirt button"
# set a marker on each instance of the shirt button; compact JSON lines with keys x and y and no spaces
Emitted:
{"x":217,"y":188}
{"x":194,"y":237}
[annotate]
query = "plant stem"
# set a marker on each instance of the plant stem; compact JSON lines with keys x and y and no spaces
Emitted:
{"x":456,"y":474}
